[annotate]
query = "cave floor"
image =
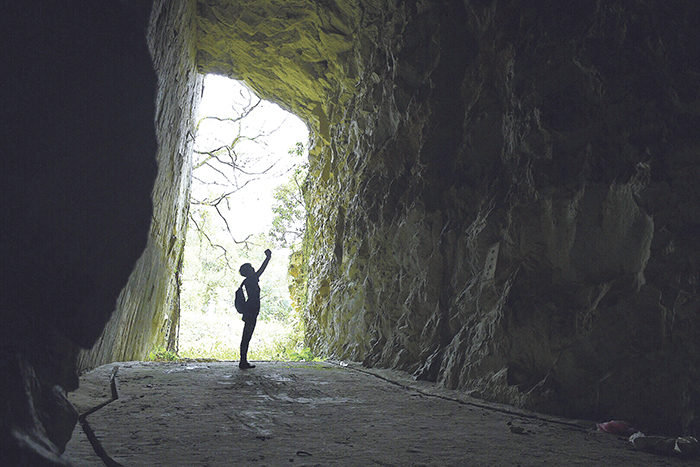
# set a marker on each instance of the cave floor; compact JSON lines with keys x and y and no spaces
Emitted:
{"x":317,"y":414}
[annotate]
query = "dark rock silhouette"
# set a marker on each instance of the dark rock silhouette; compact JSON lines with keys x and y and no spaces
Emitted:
{"x":78,"y":168}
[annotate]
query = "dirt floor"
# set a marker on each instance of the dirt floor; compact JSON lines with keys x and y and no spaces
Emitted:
{"x":317,"y":414}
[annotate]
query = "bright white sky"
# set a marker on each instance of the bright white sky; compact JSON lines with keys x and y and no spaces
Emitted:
{"x":251,"y":207}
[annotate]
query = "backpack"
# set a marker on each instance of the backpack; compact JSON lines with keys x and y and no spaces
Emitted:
{"x":240,"y":301}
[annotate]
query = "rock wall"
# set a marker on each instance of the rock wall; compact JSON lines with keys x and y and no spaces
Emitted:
{"x":297,"y":53}
{"x":78,"y":169}
{"x":504,"y":194}
{"x":148,"y":307}
{"x":516,"y":236}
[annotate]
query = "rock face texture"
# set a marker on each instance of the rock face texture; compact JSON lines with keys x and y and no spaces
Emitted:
{"x":84,"y":162}
{"x":504,"y":194}
{"x":147,"y":310}
{"x":78,"y":168}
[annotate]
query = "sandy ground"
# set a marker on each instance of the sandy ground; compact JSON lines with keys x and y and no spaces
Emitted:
{"x":318,"y":414}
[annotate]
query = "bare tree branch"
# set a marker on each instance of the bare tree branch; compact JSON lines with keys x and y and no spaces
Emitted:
{"x":228,"y":228}
{"x":228,"y":169}
{"x":224,"y":253}
{"x":247,"y":110}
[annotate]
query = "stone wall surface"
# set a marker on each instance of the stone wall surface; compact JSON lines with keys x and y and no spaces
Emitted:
{"x":297,"y":53}
{"x":147,"y":307}
{"x":77,"y":173}
{"x":504,"y":195}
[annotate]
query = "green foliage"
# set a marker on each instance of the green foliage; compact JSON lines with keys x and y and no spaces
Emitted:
{"x":162,"y":355}
{"x":272,"y":340}
{"x":289,"y":206}
{"x":304,"y":355}
{"x":210,"y":276}
{"x":210,"y":327}
{"x":218,"y":351}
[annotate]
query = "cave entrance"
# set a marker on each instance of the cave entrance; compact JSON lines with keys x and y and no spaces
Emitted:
{"x":248,"y":167}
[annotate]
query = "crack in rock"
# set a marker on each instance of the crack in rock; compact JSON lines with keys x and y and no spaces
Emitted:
{"x":90,"y":433}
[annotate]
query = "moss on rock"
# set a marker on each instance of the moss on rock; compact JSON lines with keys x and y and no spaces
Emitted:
{"x":558,"y":134}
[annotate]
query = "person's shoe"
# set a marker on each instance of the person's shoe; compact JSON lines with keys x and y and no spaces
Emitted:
{"x":245,"y":366}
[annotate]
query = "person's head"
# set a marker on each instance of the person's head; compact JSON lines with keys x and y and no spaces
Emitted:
{"x":247,"y":270}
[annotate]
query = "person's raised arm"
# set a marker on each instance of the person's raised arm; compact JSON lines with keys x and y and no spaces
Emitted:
{"x":261,"y":269}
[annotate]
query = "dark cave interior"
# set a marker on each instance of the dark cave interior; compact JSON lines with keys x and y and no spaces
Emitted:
{"x":561,"y":137}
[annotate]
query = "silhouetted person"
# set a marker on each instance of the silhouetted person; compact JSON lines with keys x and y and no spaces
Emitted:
{"x":250,"y":315}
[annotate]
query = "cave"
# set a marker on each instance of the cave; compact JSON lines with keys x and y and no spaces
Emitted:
{"x":505,"y":195}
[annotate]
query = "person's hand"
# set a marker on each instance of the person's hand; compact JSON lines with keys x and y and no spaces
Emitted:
{"x":268,"y":253}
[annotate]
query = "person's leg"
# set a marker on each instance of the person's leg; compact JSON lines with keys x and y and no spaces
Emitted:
{"x":245,"y":341}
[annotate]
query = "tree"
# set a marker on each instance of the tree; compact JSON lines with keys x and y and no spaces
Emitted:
{"x":221,"y":168}
{"x":289,"y":231}
{"x":289,"y":207}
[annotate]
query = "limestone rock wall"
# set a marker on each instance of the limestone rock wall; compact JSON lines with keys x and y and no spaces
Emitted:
{"x":147,"y":308}
{"x":78,"y":168}
{"x":518,"y":216}
{"x":504,"y":194}
{"x":297,"y":53}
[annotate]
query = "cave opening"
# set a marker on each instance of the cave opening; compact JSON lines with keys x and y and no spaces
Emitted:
{"x":440,"y":147}
{"x":249,"y":164}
